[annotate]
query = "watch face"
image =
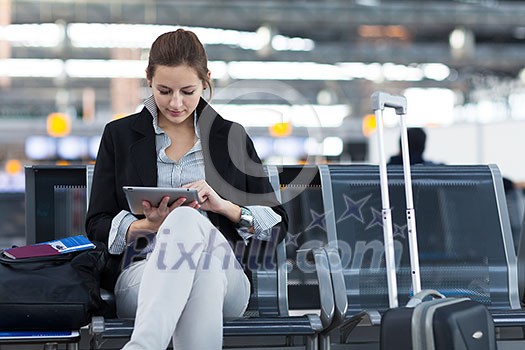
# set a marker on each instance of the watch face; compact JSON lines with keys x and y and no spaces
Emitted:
{"x":246,"y":218}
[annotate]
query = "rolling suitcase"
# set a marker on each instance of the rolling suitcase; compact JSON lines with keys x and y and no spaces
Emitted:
{"x":429,"y":321}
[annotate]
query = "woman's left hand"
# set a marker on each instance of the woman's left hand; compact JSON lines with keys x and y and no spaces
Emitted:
{"x":211,"y":201}
{"x":208,"y":198}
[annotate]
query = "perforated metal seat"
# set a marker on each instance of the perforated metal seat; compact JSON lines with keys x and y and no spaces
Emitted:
{"x":464,"y":237}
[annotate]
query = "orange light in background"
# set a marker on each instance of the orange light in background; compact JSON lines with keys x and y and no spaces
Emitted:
{"x":58,"y":125}
{"x":369,"y":124}
{"x":13,"y":167}
{"x":62,"y":162}
{"x":384,"y":32}
{"x":283,"y":129}
{"x":397,"y":31}
{"x":370,"y":31}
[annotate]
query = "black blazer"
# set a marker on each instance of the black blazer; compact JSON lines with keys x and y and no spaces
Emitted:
{"x":127,"y":156}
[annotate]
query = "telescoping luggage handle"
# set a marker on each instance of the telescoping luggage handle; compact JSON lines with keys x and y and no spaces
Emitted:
{"x":380,"y":101}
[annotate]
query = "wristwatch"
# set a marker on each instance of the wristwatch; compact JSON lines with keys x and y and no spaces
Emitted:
{"x":246,"y":218}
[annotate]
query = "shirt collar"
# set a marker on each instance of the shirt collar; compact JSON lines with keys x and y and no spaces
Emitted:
{"x":151,"y":106}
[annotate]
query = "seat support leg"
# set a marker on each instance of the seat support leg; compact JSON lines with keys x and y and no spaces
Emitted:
{"x":312,"y":342}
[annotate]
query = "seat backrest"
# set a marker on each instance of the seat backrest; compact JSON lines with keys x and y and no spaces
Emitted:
{"x":301,"y":196}
{"x":55,"y":202}
{"x":289,"y":284}
{"x":463,"y":230}
{"x":521,"y":262}
{"x":90,"y":168}
{"x":516,"y":206}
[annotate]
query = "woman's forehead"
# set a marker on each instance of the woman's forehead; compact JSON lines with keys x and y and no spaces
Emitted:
{"x":181,"y":75}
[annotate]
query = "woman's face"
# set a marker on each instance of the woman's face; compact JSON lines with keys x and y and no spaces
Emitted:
{"x":176,"y":91}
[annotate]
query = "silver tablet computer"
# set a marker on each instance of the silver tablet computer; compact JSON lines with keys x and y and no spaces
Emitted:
{"x":135,"y":195}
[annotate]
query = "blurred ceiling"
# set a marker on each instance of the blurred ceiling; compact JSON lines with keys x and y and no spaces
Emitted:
{"x":368,"y":31}
{"x":337,"y":26}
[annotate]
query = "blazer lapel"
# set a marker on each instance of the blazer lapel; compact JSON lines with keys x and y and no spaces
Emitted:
{"x":214,"y":138}
{"x":143,"y":150}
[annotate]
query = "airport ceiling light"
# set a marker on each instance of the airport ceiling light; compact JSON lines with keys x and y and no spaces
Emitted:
{"x":394,"y":72}
{"x":307,"y":116}
{"x":39,"y":147}
{"x":283,"y":43}
{"x":286,"y":71}
{"x":462,"y":42}
{"x":435,"y":71}
{"x":359,"y":70}
{"x":264,"y":40}
{"x":428,"y":106}
{"x":31,"y":68}
{"x":72,"y":147}
{"x":240,"y":70}
{"x":33,"y":35}
{"x":263,"y":145}
{"x":399,"y":72}
{"x":142,"y":35}
{"x":102,"y":35}
{"x":105,"y":68}
{"x":332,"y":146}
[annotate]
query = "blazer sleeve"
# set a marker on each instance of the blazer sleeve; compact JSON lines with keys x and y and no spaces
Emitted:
{"x":262,"y":185}
{"x":103,"y":201}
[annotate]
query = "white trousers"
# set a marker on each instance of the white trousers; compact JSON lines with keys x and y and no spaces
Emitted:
{"x":183,"y":290}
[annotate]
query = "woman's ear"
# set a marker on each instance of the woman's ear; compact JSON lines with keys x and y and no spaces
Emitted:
{"x":208,"y":79}
{"x":147,"y":79}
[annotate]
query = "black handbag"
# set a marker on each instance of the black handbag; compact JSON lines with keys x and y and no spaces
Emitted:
{"x":58,"y":292}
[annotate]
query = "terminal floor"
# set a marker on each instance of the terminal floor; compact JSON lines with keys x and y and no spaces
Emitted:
{"x":363,"y":338}
{"x":501,"y":346}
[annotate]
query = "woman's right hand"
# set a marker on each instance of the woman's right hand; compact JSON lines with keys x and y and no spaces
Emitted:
{"x":154,"y":217}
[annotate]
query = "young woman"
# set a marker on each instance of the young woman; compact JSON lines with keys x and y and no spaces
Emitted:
{"x":189,"y":275}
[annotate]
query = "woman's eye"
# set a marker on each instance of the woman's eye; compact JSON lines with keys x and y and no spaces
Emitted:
{"x":164,"y":92}
{"x":188,"y":92}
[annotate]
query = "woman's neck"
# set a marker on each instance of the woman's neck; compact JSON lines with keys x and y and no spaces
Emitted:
{"x":185,"y":128}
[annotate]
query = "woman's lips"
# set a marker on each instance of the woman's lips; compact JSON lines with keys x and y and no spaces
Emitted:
{"x":175,"y":113}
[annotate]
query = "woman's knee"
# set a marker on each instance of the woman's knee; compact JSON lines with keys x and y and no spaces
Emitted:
{"x":186,"y":221}
{"x":179,"y":220}
{"x":183,"y":214}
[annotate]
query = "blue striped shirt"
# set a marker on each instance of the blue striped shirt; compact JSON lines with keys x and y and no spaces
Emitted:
{"x":189,"y":168}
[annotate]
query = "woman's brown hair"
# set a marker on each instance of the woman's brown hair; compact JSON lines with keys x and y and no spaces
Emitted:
{"x":180,"y":47}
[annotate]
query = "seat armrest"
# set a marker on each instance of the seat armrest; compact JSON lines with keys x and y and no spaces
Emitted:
{"x":326,"y":292}
{"x":338,"y":282}
{"x":341,"y":320}
{"x":107,"y":296}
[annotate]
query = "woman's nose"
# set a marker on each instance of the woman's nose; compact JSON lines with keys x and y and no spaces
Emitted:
{"x":176,"y":100}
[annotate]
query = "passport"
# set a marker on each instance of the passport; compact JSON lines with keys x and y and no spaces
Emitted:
{"x":31,"y":251}
{"x":56,"y":247}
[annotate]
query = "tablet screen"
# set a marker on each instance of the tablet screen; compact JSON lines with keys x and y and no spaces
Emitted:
{"x":135,"y":195}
